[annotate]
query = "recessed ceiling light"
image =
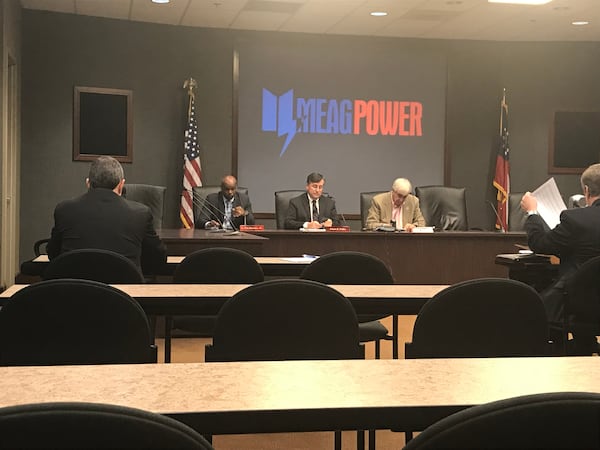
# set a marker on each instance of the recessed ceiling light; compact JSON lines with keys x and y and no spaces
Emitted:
{"x":580,"y":22}
{"x":161,"y":1}
{"x":378,"y":13}
{"x":522,"y":2}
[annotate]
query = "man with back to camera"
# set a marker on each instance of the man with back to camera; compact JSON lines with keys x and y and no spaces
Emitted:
{"x":227,"y":209}
{"x":398,"y":207}
{"x":312,"y":210}
{"x":102,"y":219}
{"x":574,"y":240}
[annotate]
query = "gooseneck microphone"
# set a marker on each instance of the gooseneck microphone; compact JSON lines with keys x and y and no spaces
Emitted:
{"x":340,"y":213}
{"x":214,"y":212}
{"x":497,"y":215}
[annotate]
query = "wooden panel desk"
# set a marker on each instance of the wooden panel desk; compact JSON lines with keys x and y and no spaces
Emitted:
{"x":426,"y":258}
{"x":290,"y":396}
{"x":207,"y":299}
{"x":184,"y":242}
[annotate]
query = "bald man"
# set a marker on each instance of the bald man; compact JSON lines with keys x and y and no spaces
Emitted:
{"x":227,"y":209}
{"x":398,"y":207}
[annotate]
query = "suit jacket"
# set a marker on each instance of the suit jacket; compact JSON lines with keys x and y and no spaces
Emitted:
{"x":214,"y":209}
{"x":299,"y":211}
{"x":380,"y":212}
{"x":104,"y":220}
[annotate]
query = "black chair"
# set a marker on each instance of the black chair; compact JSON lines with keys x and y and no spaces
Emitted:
{"x":282,"y":202}
{"x":365,"y":204}
{"x":94,"y":264}
{"x":443,"y":207}
{"x":70,"y":321}
{"x":218,"y":265}
{"x":354,"y":268}
{"x":487,"y":317}
{"x":199,"y":194}
{"x":92,"y":425}
{"x":563,"y":420}
{"x":151,"y":196}
{"x":516,"y":216}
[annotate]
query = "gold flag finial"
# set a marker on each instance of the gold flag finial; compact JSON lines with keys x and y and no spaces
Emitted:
{"x":190,"y":84}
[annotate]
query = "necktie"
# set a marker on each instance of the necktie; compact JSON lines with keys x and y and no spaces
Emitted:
{"x":315,"y":211}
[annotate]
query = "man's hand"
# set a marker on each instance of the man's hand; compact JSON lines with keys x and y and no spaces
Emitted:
{"x":314,"y":224}
{"x":409,"y":227}
{"x":528,"y":202}
{"x":327,"y":223}
{"x":238,"y":211}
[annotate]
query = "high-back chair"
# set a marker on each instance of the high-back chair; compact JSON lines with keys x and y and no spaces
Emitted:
{"x":70,"y":321}
{"x":443,"y":207}
{"x":487,"y":317}
{"x":516,"y":216}
{"x":92,"y":425}
{"x":354,"y":268}
{"x":282,"y":202}
{"x":199,"y":194}
{"x":151,"y":196}
{"x":94,"y":264}
{"x":557,"y":420}
{"x":365,"y":204}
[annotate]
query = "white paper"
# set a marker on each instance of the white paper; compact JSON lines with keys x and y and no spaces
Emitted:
{"x":299,"y":259}
{"x":550,"y":203}
{"x":422,"y":230}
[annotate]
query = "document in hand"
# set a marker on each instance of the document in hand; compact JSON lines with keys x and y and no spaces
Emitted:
{"x":550,"y":203}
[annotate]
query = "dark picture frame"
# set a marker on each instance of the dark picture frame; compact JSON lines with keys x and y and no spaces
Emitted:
{"x":574,"y":141}
{"x":102,"y":123}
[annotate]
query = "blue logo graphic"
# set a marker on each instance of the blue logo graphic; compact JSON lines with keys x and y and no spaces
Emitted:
{"x":277,"y":115}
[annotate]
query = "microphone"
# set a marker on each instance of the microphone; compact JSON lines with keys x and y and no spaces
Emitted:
{"x":340,"y":213}
{"x":497,"y":215}
{"x":214,"y":212}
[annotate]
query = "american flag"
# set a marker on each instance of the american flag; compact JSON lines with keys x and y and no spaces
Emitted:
{"x":502,"y":175}
{"x":192,"y":171}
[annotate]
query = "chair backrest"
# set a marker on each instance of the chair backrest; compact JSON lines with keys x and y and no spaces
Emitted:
{"x":218,"y":265}
{"x":487,"y":317}
{"x":576,"y":201}
{"x":443,"y":207}
{"x":582,"y":302}
{"x":562,"y":420}
{"x":151,"y":196}
{"x":199,"y":194}
{"x":282,"y":202}
{"x":92,"y":425}
{"x":71,"y":321}
{"x":516,"y":216}
{"x":285,"y":320}
{"x":365,"y":204}
{"x":348,"y":267}
{"x":94,"y":264}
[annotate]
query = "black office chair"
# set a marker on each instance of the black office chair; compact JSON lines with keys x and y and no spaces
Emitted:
{"x":443,"y":207}
{"x":365,"y":204}
{"x":92,"y":425}
{"x":70,"y":321}
{"x":94,"y":264}
{"x":561,"y":420}
{"x":487,"y":317}
{"x":354,"y":268}
{"x":282,"y":202}
{"x":218,"y":265}
{"x":151,"y":196}
{"x":199,"y":194}
{"x":516,"y":216}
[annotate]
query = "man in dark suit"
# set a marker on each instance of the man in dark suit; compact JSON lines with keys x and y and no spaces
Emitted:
{"x":227,"y":209}
{"x":574,"y":240}
{"x":312,"y":210}
{"x":102,"y":219}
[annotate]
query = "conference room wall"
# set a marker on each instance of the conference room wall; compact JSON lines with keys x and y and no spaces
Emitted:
{"x":61,"y":51}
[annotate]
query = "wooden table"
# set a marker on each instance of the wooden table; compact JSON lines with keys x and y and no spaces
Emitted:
{"x":183,"y":242}
{"x":291,"y":396}
{"x":207,"y":299}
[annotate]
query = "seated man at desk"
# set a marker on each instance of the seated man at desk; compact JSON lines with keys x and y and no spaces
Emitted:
{"x":574,"y":240}
{"x":312,"y":210}
{"x":398,"y":208}
{"x":227,"y":209}
{"x":101,"y":218}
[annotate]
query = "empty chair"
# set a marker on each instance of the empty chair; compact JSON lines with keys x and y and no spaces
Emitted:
{"x":282,"y":202}
{"x":285,"y":320}
{"x":354,"y":268}
{"x":563,"y":420}
{"x":92,"y":425}
{"x":516,"y":216}
{"x":365,"y":204}
{"x":151,"y":196}
{"x":70,"y":321}
{"x":487,"y":317}
{"x":443,"y":207}
{"x":216,"y":265}
{"x":94,"y":264}
{"x":199,"y":194}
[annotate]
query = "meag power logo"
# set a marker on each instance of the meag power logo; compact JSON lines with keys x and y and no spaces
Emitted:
{"x":288,"y":116}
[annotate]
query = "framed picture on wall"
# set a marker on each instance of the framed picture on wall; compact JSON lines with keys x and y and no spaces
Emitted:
{"x":102,"y":123}
{"x":574,"y":141}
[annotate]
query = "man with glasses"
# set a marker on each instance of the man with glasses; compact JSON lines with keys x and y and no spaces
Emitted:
{"x":397,"y":208}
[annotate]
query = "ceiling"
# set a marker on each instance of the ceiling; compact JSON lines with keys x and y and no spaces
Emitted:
{"x":432,"y":19}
